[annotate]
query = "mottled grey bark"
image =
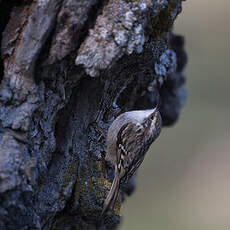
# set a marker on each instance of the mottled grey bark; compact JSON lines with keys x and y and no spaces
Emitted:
{"x":68,"y":67}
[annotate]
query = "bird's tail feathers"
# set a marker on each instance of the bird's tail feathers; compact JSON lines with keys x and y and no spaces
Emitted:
{"x":113,"y":193}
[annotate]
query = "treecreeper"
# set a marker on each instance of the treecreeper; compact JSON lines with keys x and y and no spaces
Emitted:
{"x":129,"y":138}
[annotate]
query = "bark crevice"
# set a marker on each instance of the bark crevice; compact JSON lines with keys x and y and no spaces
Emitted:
{"x":5,"y":11}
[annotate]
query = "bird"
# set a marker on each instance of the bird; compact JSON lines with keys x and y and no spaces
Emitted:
{"x":128,"y":139}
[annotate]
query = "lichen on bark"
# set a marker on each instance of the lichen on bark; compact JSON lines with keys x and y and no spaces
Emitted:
{"x":69,"y":68}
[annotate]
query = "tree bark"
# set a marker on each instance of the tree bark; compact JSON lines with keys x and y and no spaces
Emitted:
{"x":67,"y":69}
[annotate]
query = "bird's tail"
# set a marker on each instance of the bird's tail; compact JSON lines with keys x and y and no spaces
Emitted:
{"x":112,"y":196}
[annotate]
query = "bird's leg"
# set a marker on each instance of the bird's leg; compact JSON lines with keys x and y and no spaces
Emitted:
{"x":102,"y":133}
{"x":99,"y":130}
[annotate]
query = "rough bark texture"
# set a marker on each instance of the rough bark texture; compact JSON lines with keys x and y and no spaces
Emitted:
{"x":68,"y":67}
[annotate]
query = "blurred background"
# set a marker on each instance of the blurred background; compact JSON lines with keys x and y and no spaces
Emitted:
{"x":184,"y":182}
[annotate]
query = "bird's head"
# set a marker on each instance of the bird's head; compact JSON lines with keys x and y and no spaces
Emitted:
{"x":152,"y":122}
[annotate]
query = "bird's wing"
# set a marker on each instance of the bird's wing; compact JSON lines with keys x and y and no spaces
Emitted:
{"x":129,"y":147}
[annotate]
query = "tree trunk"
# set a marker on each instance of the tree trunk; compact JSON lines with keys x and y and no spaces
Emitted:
{"x":67,"y":69}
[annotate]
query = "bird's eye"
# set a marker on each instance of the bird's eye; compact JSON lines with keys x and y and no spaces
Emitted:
{"x":152,"y":116}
